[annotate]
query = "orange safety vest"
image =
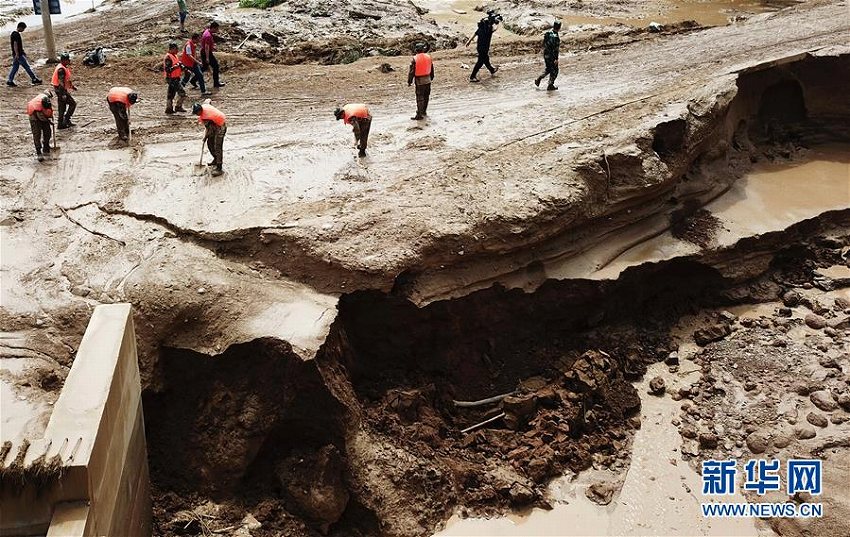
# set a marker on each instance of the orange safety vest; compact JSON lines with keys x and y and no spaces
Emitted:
{"x":176,"y":71}
{"x":119,"y":94}
{"x":423,"y":64}
{"x":211,"y":113}
{"x":55,"y":81}
{"x":354,"y":110}
{"x":188,"y":59}
{"x":34,"y":105}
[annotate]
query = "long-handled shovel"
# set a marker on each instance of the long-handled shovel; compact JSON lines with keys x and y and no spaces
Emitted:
{"x":200,"y":164}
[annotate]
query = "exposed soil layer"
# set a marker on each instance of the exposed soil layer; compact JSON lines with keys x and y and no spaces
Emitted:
{"x":377,"y":429}
{"x":271,"y":409}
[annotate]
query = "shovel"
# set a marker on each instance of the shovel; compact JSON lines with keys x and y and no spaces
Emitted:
{"x":200,"y":165}
{"x":53,"y":128}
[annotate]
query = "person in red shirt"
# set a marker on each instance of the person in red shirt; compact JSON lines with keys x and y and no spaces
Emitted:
{"x":173,"y":70}
{"x":191,"y":60}
{"x":40,"y":111}
{"x":216,"y":127}
{"x":358,"y":116}
{"x":208,"y":59}
{"x":120,"y":100}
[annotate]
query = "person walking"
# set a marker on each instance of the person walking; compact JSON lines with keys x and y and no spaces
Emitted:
{"x":173,"y":77}
{"x":182,"y":12}
{"x":40,"y":112}
{"x":358,"y":116}
{"x":484,"y":35}
{"x":63,"y":84}
{"x":216,"y":127}
{"x":422,"y":73}
{"x":120,"y":99}
{"x":19,"y":57}
{"x":551,"y":50}
{"x":208,"y":58}
{"x":192,"y":63}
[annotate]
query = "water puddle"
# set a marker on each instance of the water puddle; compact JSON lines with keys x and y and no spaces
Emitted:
{"x":661,"y":494}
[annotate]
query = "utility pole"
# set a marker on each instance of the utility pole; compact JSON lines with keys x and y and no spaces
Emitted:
{"x":49,"y":42}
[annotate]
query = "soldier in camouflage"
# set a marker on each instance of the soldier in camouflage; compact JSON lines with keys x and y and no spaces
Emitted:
{"x":551,"y":49}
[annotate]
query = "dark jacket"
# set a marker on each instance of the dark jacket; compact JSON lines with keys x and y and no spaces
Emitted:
{"x":551,"y":44}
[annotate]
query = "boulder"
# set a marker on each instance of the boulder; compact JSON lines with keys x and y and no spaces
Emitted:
{"x":657,"y":386}
{"x":715,"y":332}
{"x":758,"y":441}
{"x":815,"y":321}
{"x":818,"y":420}
{"x":823,"y":400}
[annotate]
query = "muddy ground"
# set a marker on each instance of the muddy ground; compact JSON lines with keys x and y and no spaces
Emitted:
{"x":308,"y":322}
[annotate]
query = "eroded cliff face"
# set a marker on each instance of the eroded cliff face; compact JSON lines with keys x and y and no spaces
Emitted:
{"x":363,"y":352}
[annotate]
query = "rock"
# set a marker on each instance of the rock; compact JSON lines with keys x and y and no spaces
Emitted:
{"x":758,"y":441}
{"x":792,"y":298}
{"x":672,"y":358}
{"x":716,"y":332}
{"x":803,"y":497}
{"x":804,"y":432}
{"x":839,"y":418}
{"x":518,"y":409}
{"x":750,"y":386}
{"x":634,"y":422}
{"x":844,"y":401}
{"x":657,"y":386}
{"x":815,"y":321}
{"x":784,"y":312}
{"x":829,"y":362}
{"x":520,"y":495}
{"x":201,"y":290}
{"x":314,"y":483}
{"x":823,"y":400}
{"x":783,"y":438}
{"x":708,"y":440}
{"x":841,"y":304}
{"x":251,"y":523}
{"x":840,"y":323}
{"x":818,"y":420}
{"x":600,"y":493}
{"x":688,"y":432}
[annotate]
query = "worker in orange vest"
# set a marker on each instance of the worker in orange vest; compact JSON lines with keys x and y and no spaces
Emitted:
{"x":358,"y":116}
{"x":216,"y":127}
{"x":173,"y":70}
{"x":422,"y":73}
{"x":40,"y":111}
{"x":120,"y":100}
{"x":63,"y":84}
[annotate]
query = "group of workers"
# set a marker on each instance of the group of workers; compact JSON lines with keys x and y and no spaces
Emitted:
{"x":187,"y":66}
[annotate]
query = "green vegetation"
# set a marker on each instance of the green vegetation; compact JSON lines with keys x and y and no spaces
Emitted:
{"x":261,"y":4}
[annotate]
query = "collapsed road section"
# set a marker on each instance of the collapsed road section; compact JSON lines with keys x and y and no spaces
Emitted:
{"x":333,"y":348}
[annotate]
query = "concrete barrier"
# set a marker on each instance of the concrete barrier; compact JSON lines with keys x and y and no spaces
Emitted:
{"x":89,"y":474}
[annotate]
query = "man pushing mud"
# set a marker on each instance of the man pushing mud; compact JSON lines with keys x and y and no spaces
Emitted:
{"x":216,"y":127}
{"x":358,"y":116}
{"x":40,"y":112}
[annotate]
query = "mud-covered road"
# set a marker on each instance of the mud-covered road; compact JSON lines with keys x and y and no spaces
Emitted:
{"x":367,"y":293}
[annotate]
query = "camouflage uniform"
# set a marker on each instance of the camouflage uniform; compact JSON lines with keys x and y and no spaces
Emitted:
{"x":551,"y":49}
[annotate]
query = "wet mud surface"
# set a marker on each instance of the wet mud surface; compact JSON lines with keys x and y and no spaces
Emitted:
{"x":317,"y":333}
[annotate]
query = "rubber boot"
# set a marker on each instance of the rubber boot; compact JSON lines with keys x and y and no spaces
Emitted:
{"x":169,"y":109}
{"x":361,"y":153}
{"x":179,"y":107}
{"x":39,"y":156}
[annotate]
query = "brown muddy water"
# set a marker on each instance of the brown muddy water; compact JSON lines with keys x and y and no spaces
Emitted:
{"x":771,"y":197}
